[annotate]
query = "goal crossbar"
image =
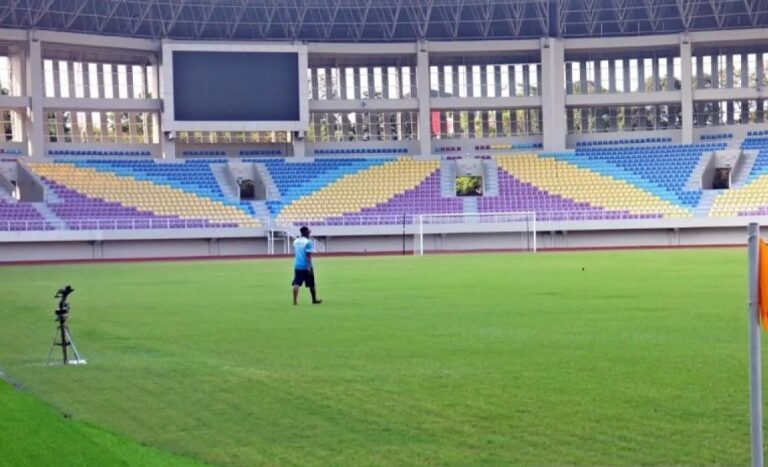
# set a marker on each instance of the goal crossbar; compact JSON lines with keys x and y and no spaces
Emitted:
{"x":523,"y":222}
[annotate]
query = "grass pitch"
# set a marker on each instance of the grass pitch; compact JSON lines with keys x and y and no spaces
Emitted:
{"x":580,"y":358}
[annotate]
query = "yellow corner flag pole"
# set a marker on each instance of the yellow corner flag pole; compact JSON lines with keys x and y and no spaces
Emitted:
{"x":755,"y":378}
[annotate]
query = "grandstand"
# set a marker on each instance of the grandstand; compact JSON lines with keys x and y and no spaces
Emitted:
{"x":641,"y":123}
{"x":138,"y":130}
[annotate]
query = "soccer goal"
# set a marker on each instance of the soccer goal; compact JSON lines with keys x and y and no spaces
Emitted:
{"x":515,"y":231}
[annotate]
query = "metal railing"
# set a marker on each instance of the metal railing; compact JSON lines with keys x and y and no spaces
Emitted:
{"x":289,"y":227}
{"x":117,"y":224}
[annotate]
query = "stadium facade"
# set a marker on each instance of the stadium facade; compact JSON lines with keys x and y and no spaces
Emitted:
{"x":447,"y":81}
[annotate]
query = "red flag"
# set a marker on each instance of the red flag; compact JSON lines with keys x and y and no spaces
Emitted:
{"x":762,"y":284}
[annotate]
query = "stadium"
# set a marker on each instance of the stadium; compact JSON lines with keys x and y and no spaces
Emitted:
{"x":591,"y":166}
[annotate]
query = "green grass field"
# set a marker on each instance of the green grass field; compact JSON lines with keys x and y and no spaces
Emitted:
{"x":570,"y":358}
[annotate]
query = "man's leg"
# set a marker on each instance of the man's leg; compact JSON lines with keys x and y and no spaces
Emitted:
{"x":314,"y":296}
{"x":295,"y":294}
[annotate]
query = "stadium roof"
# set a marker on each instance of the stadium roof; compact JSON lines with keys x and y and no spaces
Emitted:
{"x":380,"y":20}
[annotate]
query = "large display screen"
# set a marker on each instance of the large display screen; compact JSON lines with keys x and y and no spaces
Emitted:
{"x":236,"y":86}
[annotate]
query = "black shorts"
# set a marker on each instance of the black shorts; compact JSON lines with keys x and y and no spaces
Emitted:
{"x":303,"y":276}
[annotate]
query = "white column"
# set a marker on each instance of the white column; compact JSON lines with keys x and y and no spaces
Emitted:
{"x":342,"y":83}
{"x":553,"y":93}
{"x":35,"y":90}
{"x":314,"y":84}
{"x":422,"y":83}
{"x":17,"y":61}
{"x":686,"y":86}
{"x":611,"y":76}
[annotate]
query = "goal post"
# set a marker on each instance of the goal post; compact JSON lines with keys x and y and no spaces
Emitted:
{"x":476,"y":231}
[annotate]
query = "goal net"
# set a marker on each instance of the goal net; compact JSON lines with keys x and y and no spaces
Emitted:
{"x":514,"y":231}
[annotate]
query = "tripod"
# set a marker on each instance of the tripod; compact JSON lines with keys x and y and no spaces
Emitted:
{"x":64,"y":341}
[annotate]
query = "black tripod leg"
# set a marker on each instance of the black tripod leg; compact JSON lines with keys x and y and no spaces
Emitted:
{"x":64,"y":342}
{"x":53,"y":346}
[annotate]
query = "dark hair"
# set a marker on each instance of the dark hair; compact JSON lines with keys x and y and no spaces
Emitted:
{"x":304,"y":230}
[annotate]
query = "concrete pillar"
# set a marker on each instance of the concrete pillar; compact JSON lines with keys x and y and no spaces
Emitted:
{"x":371,"y":83}
{"x":16,"y":61}
{"x":625,"y":72}
{"x":154,"y":88}
{"x":598,"y":78}
{"x":729,"y":111}
{"x":715,"y":72}
{"x":357,"y":86}
{"x":330,"y":84}
{"x":422,"y":82}
{"x":670,"y":74}
{"x":513,"y":127}
{"x":640,"y":75}
{"x":115,"y":84}
{"x":611,"y":76}
{"x":483,"y":81}
{"x":553,"y":93}
{"x":655,"y":70}
{"x":512,"y":81}
{"x":744,"y":70}
{"x":385,"y":91}
{"x":342,"y":83}
{"x":470,"y":81}
{"x":87,"y":82}
{"x":699,"y":71}
{"x":686,"y":86}
{"x":313,"y":83}
{"x":729,"y":70}
{"x":759,"y":73}
{"x":56,"y":79}
{"x":568,"y":78}
{"x":455,"y":87}
{"x":35,"y":90}
{"x":71,"y":74}
{"x":526,"y":80}
{"x":440,"y":81}
{"x":129,"y":82}
{"x":497,"y":80}
{"x":538,"y":80}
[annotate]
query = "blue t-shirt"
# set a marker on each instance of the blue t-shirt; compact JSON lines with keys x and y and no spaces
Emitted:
{"x":302,"y":246}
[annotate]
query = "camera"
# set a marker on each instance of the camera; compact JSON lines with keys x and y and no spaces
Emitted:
{"x":62,"y":295}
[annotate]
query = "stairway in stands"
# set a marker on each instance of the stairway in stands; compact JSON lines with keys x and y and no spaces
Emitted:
{"x":224,"y":178}
{"x":694,"y":181}
{"x":490,"y":178}
{"x":49,"y":215}
{"x":448,"y":179}
{"x":470,"y":204}
{"x":705,"y":202}
{"x":272,"y":191}
{"x":261,"y":210}
{"x":741,"y":173}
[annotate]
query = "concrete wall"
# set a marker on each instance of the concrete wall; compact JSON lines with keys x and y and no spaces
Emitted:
{"x":131,"y":249}
{"x":30,"y":187}
{"x":392,"y":244}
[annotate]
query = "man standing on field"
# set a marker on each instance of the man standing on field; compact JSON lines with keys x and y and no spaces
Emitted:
{"x":304,"y":272}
